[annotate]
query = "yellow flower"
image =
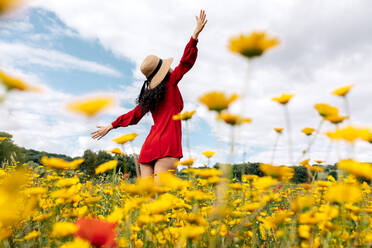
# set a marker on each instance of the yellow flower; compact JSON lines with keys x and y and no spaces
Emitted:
{"x":90,"y":106}
{"x":173,"y":182}
{"x":281,"y":172}
{"x":184,"y":116}
{"x":116,"y":151}
{"x":76,"y":243}
{"x":59,"y":163}
{"x":193,"y":231}
{"x":344,"y":193}
{"x":2,"y":138}
{"x":278,"y":129}
{"x":233,"y":119}
{"x":276,"y":219}
{"x":187,"y":162}
{"x":304,"y":231}
{"x":336,"y":119}
{"x":315,"y":168}
{"x":349,"y":133}
{"x":206,"y":173}
{"x":62,"y":229}
{"x":326,"y":110}
{"x":109,"y":165}
{"x":10,"y":82}
{"x":223,"y":230}
{"x":305,"y":162}
{"x":343,"y":90}
{"x":356,"y":168}
{"x":308,"y":131}
{"x":301,"y":203}
{"x":252,"y":45}
{"x":263,"y":183}
{"x":64,"y":182}
{"x":32,"y":235}
{"x":217,"y":101}
{"x":208,"y":153}
{"x":125,"y":138}
{"x":283,"y":98}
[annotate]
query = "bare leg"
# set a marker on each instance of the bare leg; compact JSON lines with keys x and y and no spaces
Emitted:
{"x":165,"y":164}
{"x":147,"y":170}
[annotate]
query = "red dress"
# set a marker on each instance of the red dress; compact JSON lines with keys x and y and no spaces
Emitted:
{"x":164,"y":139}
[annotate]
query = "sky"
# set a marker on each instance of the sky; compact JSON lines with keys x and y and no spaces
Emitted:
{"x":78,"y":48}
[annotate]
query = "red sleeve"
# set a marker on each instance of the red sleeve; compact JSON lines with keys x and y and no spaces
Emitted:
{"x":130,"y":118}
{"x":187,"y":61}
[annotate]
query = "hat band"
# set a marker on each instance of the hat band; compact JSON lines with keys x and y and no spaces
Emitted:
{"x":155,"y":71}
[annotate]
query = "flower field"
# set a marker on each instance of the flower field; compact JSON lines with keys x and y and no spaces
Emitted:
{"x":196,"y":207}
{"x":205,"y":209}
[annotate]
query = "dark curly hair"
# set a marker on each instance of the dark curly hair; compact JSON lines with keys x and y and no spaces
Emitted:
{"x":148,"y":99}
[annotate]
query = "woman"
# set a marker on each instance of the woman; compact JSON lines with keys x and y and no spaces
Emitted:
{"x":160,"y":96}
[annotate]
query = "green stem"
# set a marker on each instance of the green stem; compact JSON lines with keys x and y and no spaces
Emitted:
{"x":289,"y":134}
{"x":274,"y":148}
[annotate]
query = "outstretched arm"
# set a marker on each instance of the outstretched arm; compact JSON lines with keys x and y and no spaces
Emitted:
{"x":191,"y":51}
{"x":130,"y":118}
{"x":200,"y":23}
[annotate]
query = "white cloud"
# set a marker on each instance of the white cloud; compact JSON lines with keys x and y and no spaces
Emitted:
{"x":324,"y":45}
{"x":17,"y":54}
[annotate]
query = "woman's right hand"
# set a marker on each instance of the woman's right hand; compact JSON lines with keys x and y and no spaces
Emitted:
{"x":200,"y":23}
{"x":102,"y":131}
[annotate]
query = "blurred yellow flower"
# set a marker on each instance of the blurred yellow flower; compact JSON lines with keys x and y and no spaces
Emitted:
{"x":280,"y":172}
{"x":343,"y":90}
{"x":115,"y":151}
{"x":193,"y":231}
{"x":109,"y":165}
{"x":336,"y":119}
{"x":278,"y":129}
{"x":171,"y":181}
{"x":125,"y":138}
{"x":208,"y":153}
{"x":349,"y":133}
{"x":308,"y":131}
{"x":326,"y":110}
{"x":217,"y":101}
{"x":206,"y":173}
{"x":304,"y":231}
{"x":233,"y":119}
{"x":184,"y":116}
{"x":2,"y":138}
{"x":356,"y":168}
{"x":14,"y":83}
{"x":343,"y":193}
{"x":187,"y":162}
{"x":32,"y":235}
{"x":252,"y":45}
{"x":76,"y":243}
{"x":62,"y":229}
{"x":283,"y":98}
{"x":305,"y":162}
{"x":90,"y":106}
{"x":262,"y":183}
{"x":302,"y":203}
{"x":59,"y":163}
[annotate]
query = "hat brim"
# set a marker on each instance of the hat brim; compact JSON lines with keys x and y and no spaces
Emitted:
{"x":160,"y":75}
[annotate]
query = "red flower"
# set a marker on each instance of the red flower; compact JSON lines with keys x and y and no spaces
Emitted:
{"x":98,"y":232}
{"x":126,"y":175}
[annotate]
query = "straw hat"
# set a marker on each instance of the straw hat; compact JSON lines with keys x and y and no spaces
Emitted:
{"x":155,"y":69}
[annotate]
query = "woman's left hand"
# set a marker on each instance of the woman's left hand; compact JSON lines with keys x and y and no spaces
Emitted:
{"x":102,"y":131}
{"x":200,"y":23}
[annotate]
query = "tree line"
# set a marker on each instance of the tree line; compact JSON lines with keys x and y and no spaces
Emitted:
{"x":11,"y":152}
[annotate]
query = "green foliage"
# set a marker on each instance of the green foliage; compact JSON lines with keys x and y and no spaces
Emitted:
{"x":300,"y":175}
{"x":10,"y":151}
